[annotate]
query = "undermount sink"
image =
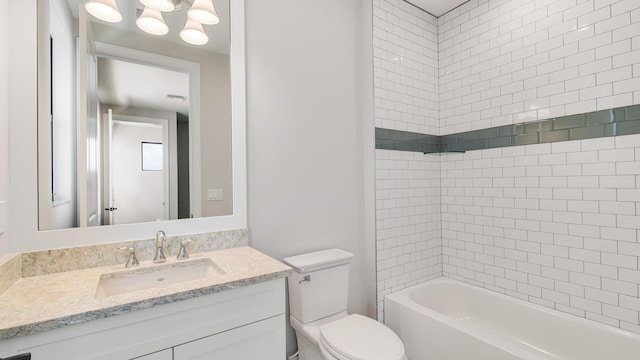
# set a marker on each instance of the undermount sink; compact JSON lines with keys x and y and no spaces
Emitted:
{"x":155,"y":276}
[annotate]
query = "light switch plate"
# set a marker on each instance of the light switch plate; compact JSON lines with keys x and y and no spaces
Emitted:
{"x":215,"y":195}
{"x":2,"y":217}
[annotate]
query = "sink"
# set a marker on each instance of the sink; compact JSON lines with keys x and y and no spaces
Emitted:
{"x":155,"y":276}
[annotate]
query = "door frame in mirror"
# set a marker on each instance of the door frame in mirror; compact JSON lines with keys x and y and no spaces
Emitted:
{"x":24,"y":100}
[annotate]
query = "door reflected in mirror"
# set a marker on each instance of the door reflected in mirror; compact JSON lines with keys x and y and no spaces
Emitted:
{"x":119,"y":94}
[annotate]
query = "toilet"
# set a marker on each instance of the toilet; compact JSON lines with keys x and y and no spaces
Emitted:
{"x":318,"y":292}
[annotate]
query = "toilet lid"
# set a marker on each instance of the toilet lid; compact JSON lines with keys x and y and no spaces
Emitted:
{"x":357,"y":337}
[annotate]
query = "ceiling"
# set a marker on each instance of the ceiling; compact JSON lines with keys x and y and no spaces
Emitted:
{"x":437,"y":7}
{"x":130,"y":84}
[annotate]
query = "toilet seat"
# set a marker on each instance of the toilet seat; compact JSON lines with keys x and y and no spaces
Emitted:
{"x":356,"y":337}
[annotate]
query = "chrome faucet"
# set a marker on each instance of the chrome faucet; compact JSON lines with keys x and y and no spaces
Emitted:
{"x":132,"y":259}
{"x":159,"y":258}
{"x":182,"y":253}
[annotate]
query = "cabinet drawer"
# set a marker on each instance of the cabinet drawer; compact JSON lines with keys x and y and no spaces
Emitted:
{"x":166,"y":354}
{"x":262,"y":340}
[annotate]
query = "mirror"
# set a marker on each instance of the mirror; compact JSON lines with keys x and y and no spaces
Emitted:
{"x":118,"y":95}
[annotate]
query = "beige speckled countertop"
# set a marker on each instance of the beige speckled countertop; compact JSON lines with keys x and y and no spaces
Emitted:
{"x":50,"y":301}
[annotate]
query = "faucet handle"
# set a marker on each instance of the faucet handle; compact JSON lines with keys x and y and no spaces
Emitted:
{"x":132,"y":260}
{"x":159,"y":253}
{"x":182,"y":253}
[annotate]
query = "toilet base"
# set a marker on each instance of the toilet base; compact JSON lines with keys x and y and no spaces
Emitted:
{"x":308,"y":350}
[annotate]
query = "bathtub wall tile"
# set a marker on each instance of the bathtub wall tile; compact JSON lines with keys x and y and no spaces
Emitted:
{"x":500,"y":64}
{"x":552,"y":223}
{"x":405,"y":51}
{"x":408,"y":220}
{"x":558,"y":228}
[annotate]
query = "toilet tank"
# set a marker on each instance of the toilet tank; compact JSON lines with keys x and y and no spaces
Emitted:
{"x":319,"y":285}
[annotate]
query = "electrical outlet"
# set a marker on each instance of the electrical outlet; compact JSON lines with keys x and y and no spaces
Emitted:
{"x":215,"y":195}
{"x":2,"y":218}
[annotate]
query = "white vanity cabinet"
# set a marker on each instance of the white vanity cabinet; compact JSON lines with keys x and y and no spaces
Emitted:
{"x":247,"y":322}
{"x":255,"y":341}
{"x":166,"y":354}
{"x":260,"y":340}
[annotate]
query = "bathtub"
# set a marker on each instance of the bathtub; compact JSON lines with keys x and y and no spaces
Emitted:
{"x":447,"y":319}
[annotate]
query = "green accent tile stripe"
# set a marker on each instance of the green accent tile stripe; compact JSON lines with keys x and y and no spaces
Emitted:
{"x":604,"y":123}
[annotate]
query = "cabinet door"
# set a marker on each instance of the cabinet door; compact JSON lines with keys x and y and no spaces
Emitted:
{"x":264,"y":340}
{"x":160,"y":355}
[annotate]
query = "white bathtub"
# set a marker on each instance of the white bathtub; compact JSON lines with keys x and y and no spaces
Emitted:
{"x":447,"y":319}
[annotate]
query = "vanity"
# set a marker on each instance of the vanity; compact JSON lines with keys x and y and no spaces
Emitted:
{"x":226,"y":304}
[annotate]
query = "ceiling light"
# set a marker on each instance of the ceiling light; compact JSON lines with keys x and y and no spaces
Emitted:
{"x":106,"y":10}
{"x":151,"y":19}
{"x":160,"y":5}
{"x":203,"y":12}
{"x":152,"y":22}
{"x":193,"y":33}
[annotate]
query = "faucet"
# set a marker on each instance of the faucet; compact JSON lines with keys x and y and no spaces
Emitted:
{"x":132,"y":259}
{"x":182,"y":253}
{"x":159,"y":258}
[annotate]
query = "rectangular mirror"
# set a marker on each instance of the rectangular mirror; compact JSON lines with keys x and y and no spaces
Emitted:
{"x":117,"y":86}
{"x":38,"y":184}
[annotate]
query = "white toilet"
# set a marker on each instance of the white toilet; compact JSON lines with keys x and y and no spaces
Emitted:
{"x":318,"y":302}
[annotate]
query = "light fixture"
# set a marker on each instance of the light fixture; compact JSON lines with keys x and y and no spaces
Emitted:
{"x":106,"y":10}
{"x":152,"y":22}
{"x":203,"y":12}
{"x":193,"y":33}
{"x":160,"y":5}
{"x":151,"y":19}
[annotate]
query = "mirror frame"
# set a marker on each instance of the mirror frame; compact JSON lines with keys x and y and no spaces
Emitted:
{"x":24,"y":100}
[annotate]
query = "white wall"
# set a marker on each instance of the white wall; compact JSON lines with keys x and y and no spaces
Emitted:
{"x":408,"y":245}
{"x":405,"y":48}
{"x":4,"y":116}
{"x":408,"y":221}
{"x":504,"y":62}
{"x":554,"y":224}
{"x":306,"y":155}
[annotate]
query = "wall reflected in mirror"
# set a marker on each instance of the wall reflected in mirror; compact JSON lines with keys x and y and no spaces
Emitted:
{"x":114,"y":88}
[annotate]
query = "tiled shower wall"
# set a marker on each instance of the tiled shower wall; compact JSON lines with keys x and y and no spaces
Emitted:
{"x":510,"y":61}
{"x":405,"y":51}
{"x":408,"y":222}
{"x":554,"y":224}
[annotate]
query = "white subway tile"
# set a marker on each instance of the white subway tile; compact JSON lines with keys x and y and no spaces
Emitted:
{"x":582,"y":157}
{"x":618,"y":74}
{"x":620,"y":313}
{"x":601,"y":296}
{"x":599,"y":194}
{"x":617,"y":207}
{"x":586,"y":304}
{"x":622,"y":7}
{"x":619,"y":234}
{"x":602,"y":245}
{"x":598,"y":144}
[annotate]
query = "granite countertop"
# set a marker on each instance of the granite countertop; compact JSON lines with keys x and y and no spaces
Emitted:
{"x":50,"y":301}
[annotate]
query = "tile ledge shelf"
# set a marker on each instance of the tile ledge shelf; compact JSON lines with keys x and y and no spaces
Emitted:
{"x":597,"y":124}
